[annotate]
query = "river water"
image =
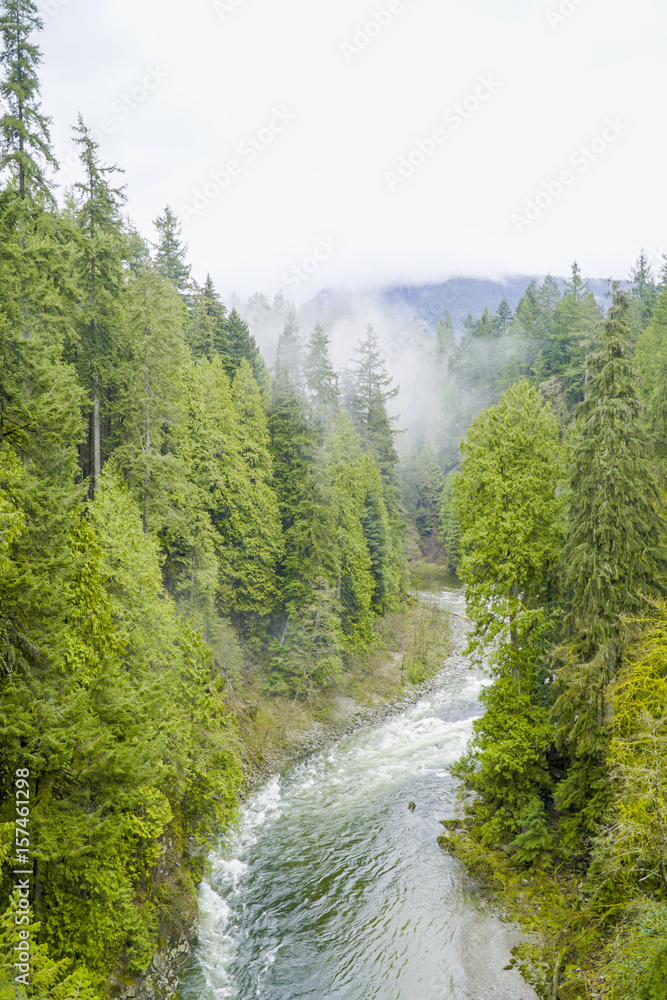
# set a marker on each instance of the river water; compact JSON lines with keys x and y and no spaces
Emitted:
{"x":331,"y":888}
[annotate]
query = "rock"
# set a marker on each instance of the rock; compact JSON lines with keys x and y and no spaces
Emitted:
{"x":411,"y":806}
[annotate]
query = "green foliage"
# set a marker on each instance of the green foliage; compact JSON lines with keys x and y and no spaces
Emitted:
{"x":311,"y":655}
{"x":26,"y":145}
{"x":509,"y":510}
{"x":170,"y":253}
{"x":422,"y":487}
{"x":637,"y":958}
{"x":614,"y":549}
{"x":450,"y":529}
{"x":629,"y":855}
{"x":427,"y":645}
{"x":48,"y":979}
{"x":505,"y":764}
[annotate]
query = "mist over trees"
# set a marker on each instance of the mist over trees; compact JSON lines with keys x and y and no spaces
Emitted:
{"x":179,"y":506}
{"x":170,"y":512}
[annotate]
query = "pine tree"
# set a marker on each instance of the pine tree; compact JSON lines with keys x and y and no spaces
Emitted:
{"x":508,"y":508}
{"x":99,"y":259}
{"x":651,"y":360}
{"x":240,"y":345}
{"x":445,"y":340}
{"x":644,"y":291}
{"x":170,"y":253}
{"x":289,"y":353}
{"x":614,"y":549}
{"x":299,"y":490}
{"x":503,"y":317}
{"x":574,"y":324}
{"x":347,"y":473}
{"x":423,"y":481}
{"x":524,"y":323}
{"x":372,"y":393}
{"x":150,"y":396}
{"x":207,"y":327}
{"x":614,"y":555}
{"x":449,"y":527}
{"x":486,"y":327}
{"x":320,"y":379}
{"x":230,"y":467}
{"x":26,"y":144}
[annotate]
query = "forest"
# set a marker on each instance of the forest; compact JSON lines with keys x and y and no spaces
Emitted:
{"x":177,"y":511}
{"x":170,"y":512}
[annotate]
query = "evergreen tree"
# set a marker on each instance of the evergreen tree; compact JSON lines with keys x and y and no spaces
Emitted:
{"x":503,"y":317}
{"x":298,"y":487}
{"x":207,"y":328}
{"x":347,"y":473}
{"x":524,"y":323}
{"x":150,"y":396}
{"x":422,"y":484}
{"x":486,"y":327}
{"x":239,"y":346}
{"x":445,"y":340}
{"x":651,"y":360}
{"x":320,"y":379}
{"x":574,"y":324}
{"x":289,"y":353}
{"x":614,"y":555}
{"x":450,"y":529}
{"x":644,"y":291}
{"x":372,"y":393}
{"x":614,"y":549}
{"x":170,"y":253}
{"x":508,"y":508}
{"x":26,"y":144}
{"x":99,"y":259}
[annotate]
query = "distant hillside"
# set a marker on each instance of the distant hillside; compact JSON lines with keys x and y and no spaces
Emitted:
{"x":429,"y":303}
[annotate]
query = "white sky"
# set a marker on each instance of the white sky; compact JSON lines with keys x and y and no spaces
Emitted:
{"x":220,"y":70}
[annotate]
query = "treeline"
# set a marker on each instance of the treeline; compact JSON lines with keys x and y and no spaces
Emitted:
{"x":545,"y":340}
{"x":559,"y":510}
{"x":166,"y":506}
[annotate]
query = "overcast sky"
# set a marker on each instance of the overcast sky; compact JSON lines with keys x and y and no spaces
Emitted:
{"x":337,"y":143}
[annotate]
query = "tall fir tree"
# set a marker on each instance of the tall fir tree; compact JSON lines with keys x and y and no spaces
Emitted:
{"x":643,"y":291}
{"x":170,"y":253}
{"x":320,"y":379}
{"x":373,"y":388}
{"x":26,"y":143}
{"x":99,"y":261}
{"x":207,"y":326}
{"x":240,"y":345}
{"x":614,"y":555}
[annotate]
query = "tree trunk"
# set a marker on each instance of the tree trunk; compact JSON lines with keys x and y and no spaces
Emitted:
{"x":147,"y":430}
{"x":96,"y":464}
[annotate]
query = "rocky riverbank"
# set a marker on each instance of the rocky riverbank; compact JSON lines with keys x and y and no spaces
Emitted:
{"x":347,"y":715}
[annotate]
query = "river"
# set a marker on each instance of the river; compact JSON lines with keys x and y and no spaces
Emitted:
{"x":332,"y":888}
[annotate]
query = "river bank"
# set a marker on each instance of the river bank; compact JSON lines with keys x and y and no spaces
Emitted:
{"x":275,"y":732}
{"x":328,"y":828}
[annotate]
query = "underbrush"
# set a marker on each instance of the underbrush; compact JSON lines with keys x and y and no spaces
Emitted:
{"x":409,"y":646}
